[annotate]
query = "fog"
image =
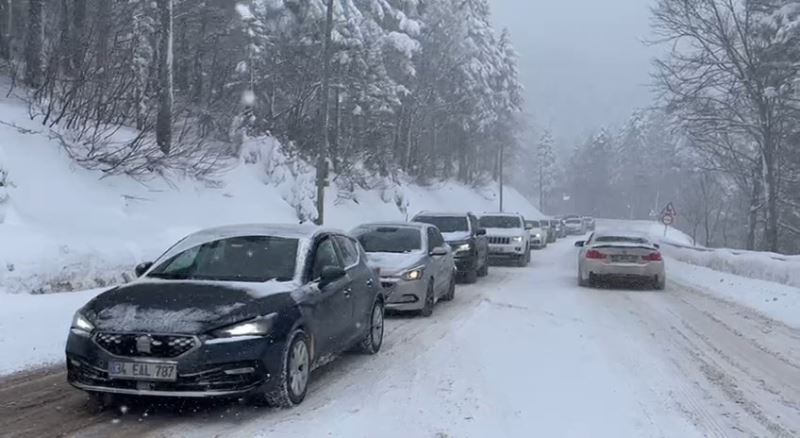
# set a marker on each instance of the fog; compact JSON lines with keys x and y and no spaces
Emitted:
{"x":582,"y":62}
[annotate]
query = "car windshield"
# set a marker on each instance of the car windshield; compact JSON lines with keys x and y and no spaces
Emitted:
{"x":500,"y":222}
{"x":243,"y":258}
{"x":620,"y":239}
{"x":390,"y":239}
{"x":445,"y":224}
{"x":535,"y":224}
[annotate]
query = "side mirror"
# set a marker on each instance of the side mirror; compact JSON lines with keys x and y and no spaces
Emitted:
{"x":330,"y":274}
{"x":141,"y":268}
{"x":580,"y":243}
{"x":480,"y":232}
{"x":439,"y":251}
{"x":657,"y":246}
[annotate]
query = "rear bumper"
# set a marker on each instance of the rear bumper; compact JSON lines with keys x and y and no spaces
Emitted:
{"x":629,"y":270}
{"x":210,"y":370}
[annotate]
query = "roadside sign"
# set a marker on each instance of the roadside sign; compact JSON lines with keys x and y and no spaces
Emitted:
{"x":669,"y":210}
{"x":667,"y":219}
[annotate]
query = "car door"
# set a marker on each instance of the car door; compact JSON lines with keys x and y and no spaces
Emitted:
{"x":363,"y":283}
{"x":440,"y":262}
{"x":333,"y":303}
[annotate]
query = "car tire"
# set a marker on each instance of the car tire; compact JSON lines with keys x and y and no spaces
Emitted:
{"x":660,"y":283}
{"x":451,"y":290}
{"x":295,"y":373}
{"x":483,"y":271}
{"x":582,"y":282}
{"x":430,"y":301}
{"x":525,"y":259}
{"x":371,"y":344}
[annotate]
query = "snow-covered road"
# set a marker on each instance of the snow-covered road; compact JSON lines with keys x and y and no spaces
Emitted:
{"x":522,"y":353}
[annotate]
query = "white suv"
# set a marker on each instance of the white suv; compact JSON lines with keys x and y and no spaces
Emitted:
{"x":508,"y":236}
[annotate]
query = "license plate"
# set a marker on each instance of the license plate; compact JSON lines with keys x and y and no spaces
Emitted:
{"x":625,"y":258}
{"x":142,"y":371}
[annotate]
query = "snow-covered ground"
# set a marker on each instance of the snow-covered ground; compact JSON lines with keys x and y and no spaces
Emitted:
{"x":525,"y":352}
{"x":66,"y":228}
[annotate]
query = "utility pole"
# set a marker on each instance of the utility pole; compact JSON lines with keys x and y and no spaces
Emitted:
{"x":541,"y":184}
{"x":502,"y":158}
{"x":322,"y":158}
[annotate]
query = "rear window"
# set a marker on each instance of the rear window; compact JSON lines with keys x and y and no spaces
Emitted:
{"x":621,"y":239}
{"x":500,"y":222}
{"x":390,"y":239}
{"x":573,"y":221}
{"x":445,"y":224}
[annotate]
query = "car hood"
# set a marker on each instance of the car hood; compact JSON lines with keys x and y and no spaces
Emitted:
{"x":191,"y":307}
{"x":456,"y":236}
{"x":392,"y":264}
{"x":505,"y":232}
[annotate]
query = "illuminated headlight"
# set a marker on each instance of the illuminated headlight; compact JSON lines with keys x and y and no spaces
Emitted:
{"x":464,"y":247}
{"x":538,"y":235}
{"x":516,"y":239}
{"x":81,"y":325}
{"x":412,"y":274}
{"x":260,"y":326}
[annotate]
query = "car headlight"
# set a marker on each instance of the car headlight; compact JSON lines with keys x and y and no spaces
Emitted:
{"x":81,"y":325}
{"x":517,"y":239}
{"x":538,"y":235}
{"x":464,"y":247}
{"x":260,"y":326}
{"x":413,"y":274}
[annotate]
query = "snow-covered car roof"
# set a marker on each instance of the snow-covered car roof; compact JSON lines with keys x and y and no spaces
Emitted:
{"x":503,"y":214}
{"x":443,"y":213}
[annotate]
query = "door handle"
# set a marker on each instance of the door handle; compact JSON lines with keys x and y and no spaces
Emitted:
{"x":370,"y":283}
{"x":348,"y":292}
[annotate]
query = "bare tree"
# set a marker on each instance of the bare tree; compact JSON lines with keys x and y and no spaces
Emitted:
{"x":165,"y":91}
{"x":34,"y":48}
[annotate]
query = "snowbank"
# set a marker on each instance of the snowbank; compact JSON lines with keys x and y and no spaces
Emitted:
{"x":65,"y":228}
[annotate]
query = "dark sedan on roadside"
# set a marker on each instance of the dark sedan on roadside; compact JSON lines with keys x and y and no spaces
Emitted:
{"x":234,"y":311}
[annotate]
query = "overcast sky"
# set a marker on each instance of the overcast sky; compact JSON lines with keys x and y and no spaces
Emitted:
{"x":582,"y":61}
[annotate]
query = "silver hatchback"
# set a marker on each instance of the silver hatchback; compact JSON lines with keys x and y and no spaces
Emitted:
{"x":415,"y":264}
{"x":620,"y":255}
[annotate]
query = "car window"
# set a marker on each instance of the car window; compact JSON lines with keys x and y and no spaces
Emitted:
{"x":325,"y":256}
{"x":435,"y":239}
{"x":349,"y":250}
{"x":445,"y":224}
{"x":621,"y":239}
{"x":390,"y":239}
{"x":501,"y":222}
{"x":241,"y":258}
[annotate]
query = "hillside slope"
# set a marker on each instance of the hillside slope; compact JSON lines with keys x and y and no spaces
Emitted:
{"x":63,"y":227}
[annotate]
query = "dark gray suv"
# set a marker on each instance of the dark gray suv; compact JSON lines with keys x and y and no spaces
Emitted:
{"x":465,"y":236}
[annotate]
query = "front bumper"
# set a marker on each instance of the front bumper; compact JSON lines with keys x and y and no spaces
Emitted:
{"x":404,"y":295}
{"x":466,"y":263}
{"x":209,"y":370}
{"x":516,"y":249}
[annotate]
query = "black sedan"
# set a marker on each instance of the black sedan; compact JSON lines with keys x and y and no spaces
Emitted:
{"x":235,"y":311}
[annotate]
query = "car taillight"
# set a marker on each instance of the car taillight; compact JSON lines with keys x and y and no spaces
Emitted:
{"x":595,"y":254}
{"x":653,"y":257}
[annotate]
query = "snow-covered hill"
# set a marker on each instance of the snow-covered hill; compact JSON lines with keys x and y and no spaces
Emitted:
{"x":63,"y":227}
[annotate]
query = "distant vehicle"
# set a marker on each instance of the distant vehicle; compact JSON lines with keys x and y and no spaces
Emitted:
{"x":233,"y":311}
{"x":539,"y":233}
{"x":574,"y":226}
{"x":561,"y":228}
{"x":588,"y":223}
{"x":415,"y":264}
{"x":620,"y":255}
{"x":463,"y":233}
{"x":508,"y":236}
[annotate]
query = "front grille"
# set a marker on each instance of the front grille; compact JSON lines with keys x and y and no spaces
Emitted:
{"x":495,"y":240}
{"x":81,"y":371}
{"x":126,"y":344}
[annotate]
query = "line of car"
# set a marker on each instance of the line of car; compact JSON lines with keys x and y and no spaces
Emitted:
{"x":249,"y":311}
